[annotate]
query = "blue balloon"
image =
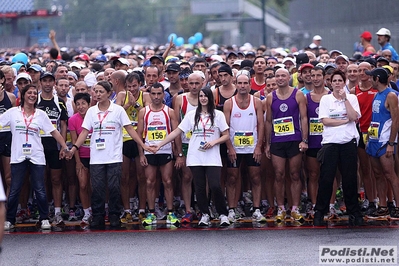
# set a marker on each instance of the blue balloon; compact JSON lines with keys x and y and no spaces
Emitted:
{"x":192,"y":40}
{"x":198,"y":36}
{"x":179,"y":41}
{"x":172,"y":35}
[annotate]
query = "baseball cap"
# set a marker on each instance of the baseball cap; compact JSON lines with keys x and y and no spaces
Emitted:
{"x":237,"y":62}
{"x":83,"y":57}
{"x":47,"y":74}
{"x":231,"y":53}
{"x":72,"y":74}
{"x":330,"y":65}
{"x":383,"y":31}
{"x":23,"y":75}
{"x":100,"y":58}
{"x":35,"y":67}
{"x":382,"y":59}
{"x":343,"y":57}
{"x":173,"y":67}
{"x":317,"y":38}
{"x":302,"y":58}
{"x":288,"y":59}
{"x":335,"y":51}
{"x":76,"y":64}
{"x":389,"y":68}
{"x":123,"y":61}
{"x":303,"y":66}
{"x":250,"y":53}
{"x":123,"y":52}
{"x":379,"y":72}
{"x":366,"y":35}
{"x":157,"y":57}
{"x":371,"y":61}
{"x":246,"y":63}
{"x":185,"y":73}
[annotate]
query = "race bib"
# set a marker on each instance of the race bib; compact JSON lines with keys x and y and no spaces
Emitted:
{"x":316,"y":127}
{"x":5,"y":129}
{"x":100,"y":144}
{"x":373,"y":130}
{"x":156,"y":133}
{"x":243,"y":139}
{"x":68,"y":137}
{"x":283,"y":126}
{"x":54,"y":123}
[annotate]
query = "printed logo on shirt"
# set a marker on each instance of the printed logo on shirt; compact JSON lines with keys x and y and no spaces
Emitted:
{"x":317,"y":110}
{"x":284,"y":107}
{"x":237,"y":115}
{"x":376,"y":106}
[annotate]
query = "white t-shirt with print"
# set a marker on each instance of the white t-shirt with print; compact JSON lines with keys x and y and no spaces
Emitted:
{"x":21,"y":136}
{"x":110,"y":135}
{"x":210,"y":157}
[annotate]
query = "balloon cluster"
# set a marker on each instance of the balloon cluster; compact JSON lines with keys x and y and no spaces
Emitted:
{"x":179,"y":41}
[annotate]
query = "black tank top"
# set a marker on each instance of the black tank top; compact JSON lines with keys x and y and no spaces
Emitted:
{"x":220,"y":99}
{"x":5,"y":104}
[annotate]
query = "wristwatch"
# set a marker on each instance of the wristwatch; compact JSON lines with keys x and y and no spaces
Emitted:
{"x":391,"y":143}
{"x":180,"y":155}
{"x":305,"y":141}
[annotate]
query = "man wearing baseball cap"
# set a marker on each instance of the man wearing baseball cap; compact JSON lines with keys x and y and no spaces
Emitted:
{"x":304,"y":74}
{"x":383,"y":38}
{"x":172,"y":73}
{"x":365,"y":39}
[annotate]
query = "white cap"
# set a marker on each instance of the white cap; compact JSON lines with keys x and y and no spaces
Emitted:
{"x":383,"y":31}
{"x":343,"y":57}
{"x":77,"y":65}
{"x":289,"y":59}
{"x":217,"y":58}
{"x":23,"y":75}
{"x":90,"y":79}
{"x":123,"y":61}
{"x":237,"y":62}
{"x":317,"y":38}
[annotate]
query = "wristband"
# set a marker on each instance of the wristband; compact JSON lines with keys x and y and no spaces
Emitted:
{"x":76,"y":147}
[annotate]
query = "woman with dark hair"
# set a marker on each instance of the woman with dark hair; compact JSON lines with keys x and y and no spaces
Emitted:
{"x":106,"y":119}
{"x":338,"y":112}
{"x":82,"y":103}
{"x":209,"y":129}
{"x":25,"y":123}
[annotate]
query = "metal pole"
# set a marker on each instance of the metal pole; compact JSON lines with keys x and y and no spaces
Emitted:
{"x":263,"y":21}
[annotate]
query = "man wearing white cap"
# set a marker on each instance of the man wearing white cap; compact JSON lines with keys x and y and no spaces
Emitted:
{"x":383,"y":38}
{"x":316,"y":42}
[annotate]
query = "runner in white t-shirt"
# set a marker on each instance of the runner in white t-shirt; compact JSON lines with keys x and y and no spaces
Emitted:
{"x":209,"y":130}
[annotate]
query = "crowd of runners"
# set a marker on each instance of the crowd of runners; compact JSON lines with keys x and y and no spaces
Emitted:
{"x":180,"y":134}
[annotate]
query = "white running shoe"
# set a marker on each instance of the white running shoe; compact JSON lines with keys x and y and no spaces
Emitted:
{"x":224,"y":221}
{"x":45,"y":225}
{"x":204,"y":220}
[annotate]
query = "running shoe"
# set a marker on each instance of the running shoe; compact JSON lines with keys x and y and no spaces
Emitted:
{"x":58,"y":219}
{"x":257,"y":216}
{"x":172,"y":219}
{"x":187,"y":218}
{"x":8,"y":226}
{"x":380,"y":213}
{"x":141,"y":216}
{"x":231,"y":216}
{"x":333,"y":213}
{"x":309,"y":211}
{"x":280,"y":217}
{"x":150,"y":219}
{"x":224,"y":221}
{"x":159,"y":212}
{"x":270,"y":212}
{"x":126,"y":217}
{"x":364,"y":204}
{"x":45,"y":225}
{"x":205,"y":220}
{"x":296,"y":215}
{"x":239,"y":212}
{"x":86,"y":219}
{"x":395,"y":213}
{"x":72,"y":215}
{"x":22,"y":215}
{"x":371,"y":209}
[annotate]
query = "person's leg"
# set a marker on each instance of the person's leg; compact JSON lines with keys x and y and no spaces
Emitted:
{"x":18,"y":174}
{"x":213,"y":173}
{"x":98,"y":184}
{"x":388,"y":169}
{"x":69,"y":166}
{"x":313,"y":167}
{"x":142,"y":184}
{"x":7,"y":172}
{"x":366,"y":174}
{"x":380,"y":181}
{"x":231,"y":180}
{"x":166,"y":173}
{"x":186,"y":187}
{"x":348,"y":168}
{"x":200,"y":184}
{"x":114,"y":172}
{"x":38,"y":185}
{"x":254,"y":174}
{"x":84,"y":187}
{"x":56,"y":182}
{"x":328,"y":158}
{"x":296,"y":186}
{"x":125,"y":182}
{"x":151,"y":176}
{"x":279,"y":183}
